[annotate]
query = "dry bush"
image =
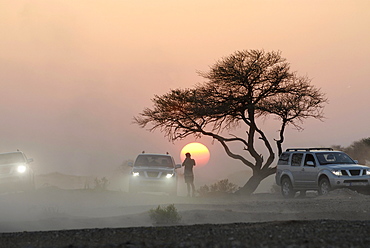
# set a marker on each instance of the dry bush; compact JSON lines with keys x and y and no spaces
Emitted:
{"x":101,"y":184}
{"x":165,"y":215}
{"x":222,"y":186}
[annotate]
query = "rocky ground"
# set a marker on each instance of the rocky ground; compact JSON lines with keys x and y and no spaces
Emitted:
{"x":85,"y":218}
{"x":317,"y":233}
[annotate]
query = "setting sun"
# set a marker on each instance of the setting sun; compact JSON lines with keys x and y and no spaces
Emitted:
{"x":198,"y":151}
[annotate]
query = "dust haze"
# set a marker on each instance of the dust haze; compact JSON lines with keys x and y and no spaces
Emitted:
{"x":73,"y":74}
{"x":63,"y":202}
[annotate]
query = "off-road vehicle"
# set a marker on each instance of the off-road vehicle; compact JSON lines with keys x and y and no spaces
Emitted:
{"x":15,"y":172}
{"x":321,"y":169}
{"x":154,"y":172}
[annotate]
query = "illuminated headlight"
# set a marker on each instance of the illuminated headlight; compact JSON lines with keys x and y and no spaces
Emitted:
{"x":169,"y":175}
{"x":337,"y":172}
{"x":135,"y":174}
{"x":368,"y":172}
{"x":21,"y":168}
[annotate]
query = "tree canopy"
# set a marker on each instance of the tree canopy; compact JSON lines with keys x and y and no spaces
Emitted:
{"x":239,"y":89}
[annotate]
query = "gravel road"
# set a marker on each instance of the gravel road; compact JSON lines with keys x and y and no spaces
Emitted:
{"x":317,"y":233}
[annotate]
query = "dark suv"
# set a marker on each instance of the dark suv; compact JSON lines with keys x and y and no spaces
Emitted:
{"x":321,"y":169}
{"x":154,"y":172}
{"x":15,"y":172}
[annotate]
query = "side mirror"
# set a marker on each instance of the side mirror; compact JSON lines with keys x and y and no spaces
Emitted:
{"x":29,"y":160}
{"x":310,"y":163}
{"x":356,"y":161}
{"x":130,"y":163}
{"x":177,"y":166}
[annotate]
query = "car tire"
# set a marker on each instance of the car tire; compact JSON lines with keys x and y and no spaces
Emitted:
{"x":287,"y":188}
{"x":324,"y":186}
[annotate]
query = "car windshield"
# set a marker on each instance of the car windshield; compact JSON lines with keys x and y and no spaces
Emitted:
{"x":334,"y":158}
{"x":154,"y":161}
{"x":10,"y":158}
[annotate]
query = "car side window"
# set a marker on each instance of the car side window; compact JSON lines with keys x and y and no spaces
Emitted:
{"x":284,"y":159}
{"x":297,"y":159}
{"x":309,"y":157}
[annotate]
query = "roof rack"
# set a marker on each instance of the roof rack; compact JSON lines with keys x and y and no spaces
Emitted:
{"x":309,"y":149}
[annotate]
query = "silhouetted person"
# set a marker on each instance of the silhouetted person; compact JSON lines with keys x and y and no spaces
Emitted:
{"x":189,"y":163}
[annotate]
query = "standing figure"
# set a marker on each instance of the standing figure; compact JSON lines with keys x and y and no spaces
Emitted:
{"x":189,"y":163}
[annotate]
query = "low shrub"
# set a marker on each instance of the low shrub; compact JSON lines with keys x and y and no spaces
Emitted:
{"x":165,"y":215}
{"x":101,"y":184}
{"x":275,"y":189}
{"x":222,"y":186}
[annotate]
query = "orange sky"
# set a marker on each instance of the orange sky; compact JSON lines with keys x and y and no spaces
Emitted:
{"x":74,"y":73}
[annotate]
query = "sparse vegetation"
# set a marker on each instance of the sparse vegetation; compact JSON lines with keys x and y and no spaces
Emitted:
{"x":51,"y":211}
{"x":275,"y":189}
{"x":100,"y":184}
{"x":222,"y":186}
{"x":165,"y":215}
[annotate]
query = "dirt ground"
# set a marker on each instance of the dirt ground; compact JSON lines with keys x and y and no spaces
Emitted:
{"x":315,"y":233}
{"x":54,"y":209}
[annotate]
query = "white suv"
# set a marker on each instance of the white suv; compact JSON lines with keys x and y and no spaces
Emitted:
{"x":15,"y":171}
{"x":154,"y":172}
{"x":321,"y":169}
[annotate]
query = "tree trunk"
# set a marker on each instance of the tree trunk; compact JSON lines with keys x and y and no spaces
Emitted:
{"x":254,"y":181}
{"x":250,"y":186}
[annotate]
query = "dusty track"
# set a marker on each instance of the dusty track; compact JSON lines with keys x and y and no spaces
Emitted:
{"x":317,"y":233}
{"x":86,"y":218}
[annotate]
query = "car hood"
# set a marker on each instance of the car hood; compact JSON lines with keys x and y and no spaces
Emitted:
{"x":147,"y":168}
{"x":346,"y":166}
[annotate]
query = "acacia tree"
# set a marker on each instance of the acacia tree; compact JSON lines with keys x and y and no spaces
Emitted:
{"x":239,"y":90}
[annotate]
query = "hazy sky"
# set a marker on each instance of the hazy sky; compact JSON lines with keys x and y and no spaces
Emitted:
{"x":74,"y":73}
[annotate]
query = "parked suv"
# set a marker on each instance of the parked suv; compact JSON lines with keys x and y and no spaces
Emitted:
{"x":154,"y":172}
{"x":321,"y":169}
{"x":15,"y":172}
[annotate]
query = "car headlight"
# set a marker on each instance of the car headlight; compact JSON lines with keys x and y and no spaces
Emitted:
{"x":368,"y":172}
{"x":135,"y":174}
{"x":21,"y":168}
{"x":337,"y":172}
{"x":169,"y":175}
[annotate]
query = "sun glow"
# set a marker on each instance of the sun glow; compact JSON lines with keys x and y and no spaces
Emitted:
{"x":198,"y":151}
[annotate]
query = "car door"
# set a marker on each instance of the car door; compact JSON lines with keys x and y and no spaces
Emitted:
{"x":296,"y":169}
{"x":309,"y":171}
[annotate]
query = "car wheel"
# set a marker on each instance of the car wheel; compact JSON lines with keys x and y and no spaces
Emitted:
{"x":324,"y":186}
{"x":287,"y":188}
